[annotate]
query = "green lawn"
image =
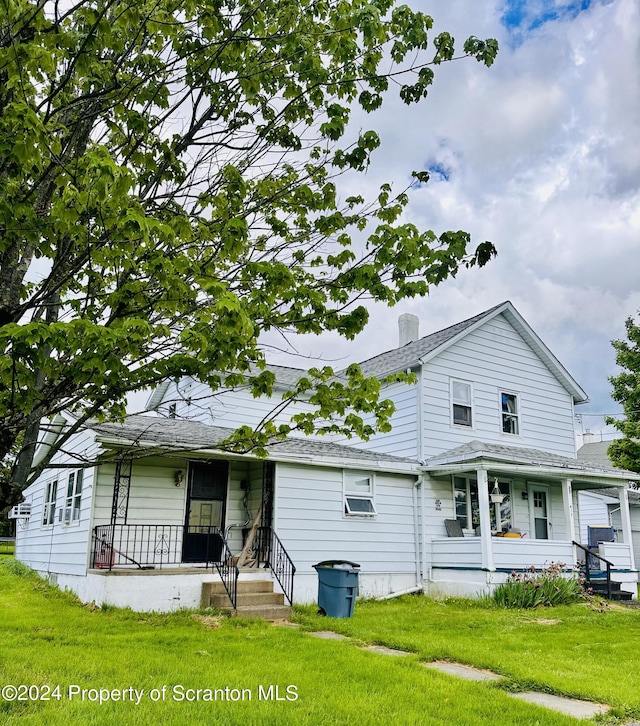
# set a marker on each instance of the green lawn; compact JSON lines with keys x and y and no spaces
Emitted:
{"x":47,"y":639}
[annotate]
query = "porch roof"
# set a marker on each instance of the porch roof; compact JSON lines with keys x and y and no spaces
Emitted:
{"x":166,"y":435}
{"x":513,"y":459}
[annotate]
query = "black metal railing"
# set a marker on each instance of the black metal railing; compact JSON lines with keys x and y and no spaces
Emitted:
{"x":589,"y":553}
{"x":147,"y":546}
{"x":229,"y":573}
{"x":269,"y":550}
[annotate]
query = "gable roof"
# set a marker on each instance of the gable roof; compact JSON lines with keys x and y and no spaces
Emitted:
{"x":595,"y":451}
{"x":422,"y":350}
{"x":176,"y":435}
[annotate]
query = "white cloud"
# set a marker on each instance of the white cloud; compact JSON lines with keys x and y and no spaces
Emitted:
{"x":543,"y":155}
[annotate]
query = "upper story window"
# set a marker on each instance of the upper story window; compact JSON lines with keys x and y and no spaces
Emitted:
{"x":461,"y":403}
{"x":49,"y":510}
{"x":74,"y":497}
{"x":510,"y":412}
{"x":358,"y":495}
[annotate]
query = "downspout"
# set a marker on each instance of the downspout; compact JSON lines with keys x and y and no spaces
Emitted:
{"x":416,"y":529}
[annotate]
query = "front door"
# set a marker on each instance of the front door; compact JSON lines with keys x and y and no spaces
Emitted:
{"x":206,"y":501}
{"x":539,"y":511}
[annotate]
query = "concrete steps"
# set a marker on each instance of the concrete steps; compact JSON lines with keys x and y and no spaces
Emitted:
{"x":256,"y":599}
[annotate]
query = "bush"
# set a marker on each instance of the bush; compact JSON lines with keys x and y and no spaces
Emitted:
{"x":530,"y":590}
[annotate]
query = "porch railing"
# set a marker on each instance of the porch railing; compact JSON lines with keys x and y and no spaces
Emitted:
{"x":270,"y":551}
{"x":589,"y":553}
{"x":229,"y":573}
{"x":146,"y":546}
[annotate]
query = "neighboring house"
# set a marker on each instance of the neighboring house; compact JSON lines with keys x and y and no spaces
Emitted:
{"x":484,"y":441}
{"x":603,"y":508}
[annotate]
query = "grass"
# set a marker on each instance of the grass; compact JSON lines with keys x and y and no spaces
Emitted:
{"x":583,"y":650}
{"x":48,"y":637}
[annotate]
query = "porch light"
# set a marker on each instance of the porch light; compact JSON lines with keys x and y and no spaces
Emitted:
{"x":178,"y":478}
{"x":497,"y":497}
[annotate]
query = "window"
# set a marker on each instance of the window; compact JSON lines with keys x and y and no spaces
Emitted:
{"x":500,"y":512}
{"x":461,"y":403}
{"x":74,"y":497}
{"x":465,"y":496}
{"x":358,"y":495}
{"x":49,"y":511}
{"x":510,"y":413}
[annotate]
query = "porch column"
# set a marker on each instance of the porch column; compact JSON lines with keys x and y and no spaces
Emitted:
{"x":626,"y":521}
{"x":485,"y":520}
{"x":567,"y":503}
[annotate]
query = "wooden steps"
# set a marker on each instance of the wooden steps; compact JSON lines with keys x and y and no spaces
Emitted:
{"x":599,"y":587}
{"x":256,"y":599}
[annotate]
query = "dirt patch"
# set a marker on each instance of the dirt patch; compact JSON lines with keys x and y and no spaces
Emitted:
{"x":211,"y":622}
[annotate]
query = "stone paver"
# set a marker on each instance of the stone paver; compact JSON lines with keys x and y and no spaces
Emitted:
{"x":463,"y":671}
{"x":569,"y":706}
{"x":328,"y":635}
{"x":385,"y":651}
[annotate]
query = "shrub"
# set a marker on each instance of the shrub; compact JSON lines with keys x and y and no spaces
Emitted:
{"x":547,"y":588}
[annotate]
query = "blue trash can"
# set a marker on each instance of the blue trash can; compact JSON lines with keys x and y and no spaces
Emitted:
{"x":337,"y":587}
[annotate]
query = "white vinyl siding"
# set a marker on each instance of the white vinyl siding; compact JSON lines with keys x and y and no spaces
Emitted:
{"x":60,"y":549}
{"x":495,"y":358}
{"x":402,"y":439}
{"x":192,"y":400}
{"x":312,"y":528}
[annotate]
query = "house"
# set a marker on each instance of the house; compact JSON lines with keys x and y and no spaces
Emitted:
{"x":151,"y":513}
{"x":603,"y":507}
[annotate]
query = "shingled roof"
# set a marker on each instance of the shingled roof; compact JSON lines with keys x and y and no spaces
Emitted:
{"x":476,"y":450}
{"x":176,"y":435}
{"x":412,"y":354}
{"x":409,"y":355}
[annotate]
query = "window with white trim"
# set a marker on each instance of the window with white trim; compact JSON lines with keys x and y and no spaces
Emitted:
{"x":510,"y":412}
{"x":465,"y":497}
{"x":74,"y":497}
{"x":467,"y":505}
{"x":359,"y":495}
{"x":49,"y":510}
{"x":461,"y":403}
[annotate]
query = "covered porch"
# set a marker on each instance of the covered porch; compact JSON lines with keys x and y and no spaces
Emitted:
{"x":517,"y":509}
{"x":172,"y":513}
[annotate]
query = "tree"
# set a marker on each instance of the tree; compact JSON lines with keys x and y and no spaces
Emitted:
{"x":625,"y":452}
{"x":168,"y":192}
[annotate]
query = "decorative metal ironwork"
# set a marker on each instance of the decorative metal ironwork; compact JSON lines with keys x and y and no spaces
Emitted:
{"x":147,"y":546}
{"x":163,"y":544}
{"x":121,"y":487}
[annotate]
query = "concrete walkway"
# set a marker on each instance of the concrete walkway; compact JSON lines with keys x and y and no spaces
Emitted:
{"x":569,"y":706}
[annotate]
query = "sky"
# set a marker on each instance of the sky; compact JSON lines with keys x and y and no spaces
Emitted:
{"x":539,"y":154}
